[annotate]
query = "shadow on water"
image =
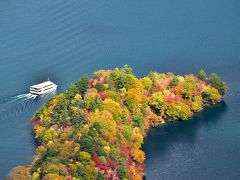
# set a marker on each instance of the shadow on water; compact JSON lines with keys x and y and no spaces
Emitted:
{"x":159,"y":139}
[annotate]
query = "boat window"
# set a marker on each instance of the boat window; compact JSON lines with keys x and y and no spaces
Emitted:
{"x":47,"y":88}
{"x":47,"y":85}
{"x":35,"y":88}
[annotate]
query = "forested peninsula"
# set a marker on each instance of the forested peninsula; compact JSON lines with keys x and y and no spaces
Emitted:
{"x":95,"y":129}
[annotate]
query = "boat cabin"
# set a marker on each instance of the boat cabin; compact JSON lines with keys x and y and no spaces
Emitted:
{"x":43,"y":88}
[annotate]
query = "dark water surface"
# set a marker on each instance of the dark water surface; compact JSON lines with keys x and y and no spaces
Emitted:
{"x":65,"y":39}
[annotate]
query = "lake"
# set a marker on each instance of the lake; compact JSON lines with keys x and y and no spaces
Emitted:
{"x":63,"y":40}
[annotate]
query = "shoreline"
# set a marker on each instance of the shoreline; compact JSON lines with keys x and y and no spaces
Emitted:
{"x":101,"y":122}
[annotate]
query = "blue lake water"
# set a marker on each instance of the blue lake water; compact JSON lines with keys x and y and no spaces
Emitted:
{"x":65,"y":39}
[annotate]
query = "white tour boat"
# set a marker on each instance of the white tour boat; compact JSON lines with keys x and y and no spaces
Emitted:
{"x":43,"y":88}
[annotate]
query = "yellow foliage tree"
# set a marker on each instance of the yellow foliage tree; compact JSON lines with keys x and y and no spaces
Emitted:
{"x":138,"y":155}
{"x":134,"y":98}
{"x":147,"y":82}
{"x":197,"y":103}
{"x":137,"y":138}
{"x":19,"y":173}
{"x":85,"y":155}
{"x":53,"y":177}
{"x":114,"y":108}
{"x":106,"y":120}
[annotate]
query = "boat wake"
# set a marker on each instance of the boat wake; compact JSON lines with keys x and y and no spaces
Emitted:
{"x":17,"y":104}
{"x":21,"y":98}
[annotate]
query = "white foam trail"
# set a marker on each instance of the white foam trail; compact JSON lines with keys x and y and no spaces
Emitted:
{"x":25,"y":99}
{"x":18,"y":99}
{"x":14,"y":106}
{"x":20,"y":96}
{"x":14,"y":100}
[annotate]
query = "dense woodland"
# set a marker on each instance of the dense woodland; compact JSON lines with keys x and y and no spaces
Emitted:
{"x":95,"y":129}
